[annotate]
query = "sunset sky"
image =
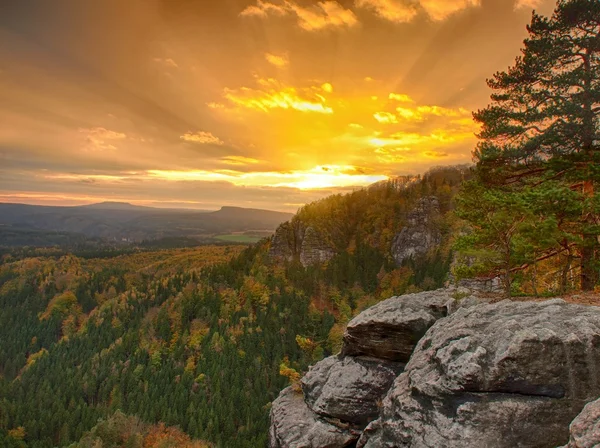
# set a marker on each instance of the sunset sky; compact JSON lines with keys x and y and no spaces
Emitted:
{"x":255,"y":103}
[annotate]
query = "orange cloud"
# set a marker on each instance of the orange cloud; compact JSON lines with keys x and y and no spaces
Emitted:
{"x":527,"y":4}
{"x":239,"y":160}
{"x":263,"y":9}
{"x":203,"y":138}
{"x":98,"y":139}
{"x":441,"y":9}
{"x":279,"y":61}
{"x":401,"y":97}
{"x":272,"y":94}
{"x":436,"y":154}
{"x":392,"y":10}
{"x":385,"y":117}
{"x":402,"y":11}
{"x":322,"y":15}
{"x":327,"y":176}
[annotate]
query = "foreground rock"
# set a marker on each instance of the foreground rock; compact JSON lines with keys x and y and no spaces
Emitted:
{"x":495,"y":376}
{"x":585,"y":429}
{"x":294,"y":425}
{"x":392,"y":328}
{"x":349,"y":389}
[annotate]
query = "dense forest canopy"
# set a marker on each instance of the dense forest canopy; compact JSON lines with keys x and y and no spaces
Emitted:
{"x":203,"y":338}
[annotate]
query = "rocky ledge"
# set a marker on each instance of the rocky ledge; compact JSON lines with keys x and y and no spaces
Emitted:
{"x":509,"y":374}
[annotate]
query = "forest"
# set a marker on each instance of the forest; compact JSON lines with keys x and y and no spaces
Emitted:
{"x":189,"y":346}
{"x":199,"y":339}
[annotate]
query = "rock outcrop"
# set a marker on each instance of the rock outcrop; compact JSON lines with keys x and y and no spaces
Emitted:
{"x":420,"y":233}
{"x":293,"y":241}
{"x":287,"y":241}
{"x":392,"y":328}
{"x":348,"y":388}
{"x":510,"y":374}
{"x":585,"y":429}
{"x":502,"y":375}
{"x":293,"y":424}
{"x":342,"y":394}
{"x":314,"y":250}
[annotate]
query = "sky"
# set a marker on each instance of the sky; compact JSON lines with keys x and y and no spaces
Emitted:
{"x":253,"y":103}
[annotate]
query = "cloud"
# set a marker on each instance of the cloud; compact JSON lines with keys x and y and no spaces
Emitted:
{"x":421,"y":113}
{"x":279,"y":61}
{"x":272,"y":94}
{"x":99,"y":139}
{"x":527,"y":4}
{"x":322,"y":15}
{"x":203,"y":138}
{"x":397,"y":11}
{"x":327,"y":14}
{"x":401,"y":97}
{"x":442,"y":9}
{"x":239,"y":160}
{"x":436,"y":154}
{"x":385,"y":117}
{"x":402,"y":11}
{"x":326,"y":176}
{"x":263,"y":9}
{"x":168,"y":62}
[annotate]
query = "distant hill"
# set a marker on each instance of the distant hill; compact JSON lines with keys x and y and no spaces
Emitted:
{"x":108,"y":205}
{"x":122,"y":221}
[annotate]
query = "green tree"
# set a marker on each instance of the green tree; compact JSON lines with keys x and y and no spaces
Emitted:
{"x":542,"y":124}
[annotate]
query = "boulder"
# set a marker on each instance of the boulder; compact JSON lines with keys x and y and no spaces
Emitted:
{"x":496,"y":376}
{"x":294,"y":425}
{"x":585,"y":429}
{"x":391,"y":329}
{"x":349,"y":389}
{"x":420,"y":233}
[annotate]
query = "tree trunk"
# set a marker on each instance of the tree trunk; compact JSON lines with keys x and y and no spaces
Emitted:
{"x":589,"y":270}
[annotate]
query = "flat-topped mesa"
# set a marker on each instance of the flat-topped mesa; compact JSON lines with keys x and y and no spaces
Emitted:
{"x":496,"y":376}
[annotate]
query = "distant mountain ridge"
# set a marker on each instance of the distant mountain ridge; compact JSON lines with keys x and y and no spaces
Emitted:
{"x":124,"y":221}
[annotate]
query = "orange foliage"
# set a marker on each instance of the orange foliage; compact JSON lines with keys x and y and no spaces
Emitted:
{"x":161,"y":436}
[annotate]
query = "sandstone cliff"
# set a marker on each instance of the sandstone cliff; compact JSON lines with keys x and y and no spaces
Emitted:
{"x":433,"y":370}
{"x":294,"y":241}
{"x":421,"y":233}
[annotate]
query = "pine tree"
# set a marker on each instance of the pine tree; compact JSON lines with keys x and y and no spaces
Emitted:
{"x":542,"y":125}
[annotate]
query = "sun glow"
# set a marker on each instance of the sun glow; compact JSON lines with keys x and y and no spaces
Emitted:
{"x":320,"y":177}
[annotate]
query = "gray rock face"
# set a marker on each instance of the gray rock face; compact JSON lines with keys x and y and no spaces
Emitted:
{"x":314,"y":250}
{"x":391,"y":329}
{"x":495,"y":376}
{"x":294,"y":425}
{"x":585,"y":429}
{"x":349,"y":389}
{"x":420,"y":233}
{"x":286,"y":241}
{"x":292,"y":240}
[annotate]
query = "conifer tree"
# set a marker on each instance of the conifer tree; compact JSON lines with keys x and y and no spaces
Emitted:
{"x":541,"y":128}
